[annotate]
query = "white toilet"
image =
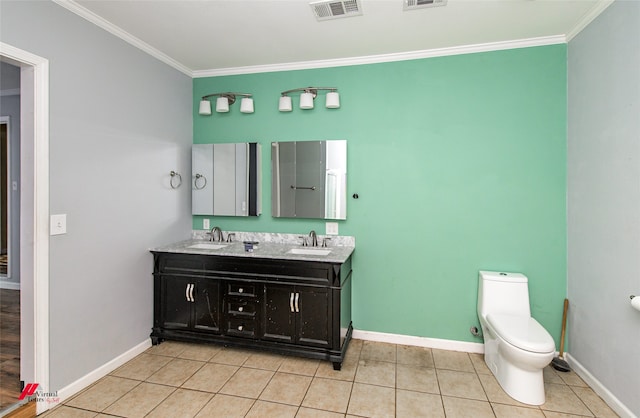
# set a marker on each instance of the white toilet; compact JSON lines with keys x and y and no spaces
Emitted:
{"x":516,"y":346}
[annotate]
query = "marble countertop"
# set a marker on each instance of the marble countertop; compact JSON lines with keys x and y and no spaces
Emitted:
{"x":264,"y":249}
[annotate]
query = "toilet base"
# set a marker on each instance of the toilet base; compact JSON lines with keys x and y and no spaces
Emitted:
{"x":522,"y":385}
{"x":518,"y":372}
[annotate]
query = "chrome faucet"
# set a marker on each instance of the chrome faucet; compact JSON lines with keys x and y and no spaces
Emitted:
{"x":216,"y":231}
{"x":314,"y":238}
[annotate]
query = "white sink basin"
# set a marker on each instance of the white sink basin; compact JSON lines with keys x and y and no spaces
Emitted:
{"x":207,"y":246}
{"x":308,"y":251}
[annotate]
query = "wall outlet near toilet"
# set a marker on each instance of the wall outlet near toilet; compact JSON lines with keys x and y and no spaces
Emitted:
{"x":331,"y":228}
{"x":205,"y":224}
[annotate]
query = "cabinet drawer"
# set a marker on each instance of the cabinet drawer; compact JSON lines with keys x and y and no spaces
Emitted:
{"x":247,"y":290}
{"x":242,"y":327}
{"x":171,"y":263}
{"x":242,"y":308}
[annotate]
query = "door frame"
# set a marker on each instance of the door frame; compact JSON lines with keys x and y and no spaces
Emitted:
{"x":6,"y":120}
{"x":34,"y":234}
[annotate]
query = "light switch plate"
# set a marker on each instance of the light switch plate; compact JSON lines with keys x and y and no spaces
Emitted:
{"x":58,"y":224}
{"x":331,"y":228}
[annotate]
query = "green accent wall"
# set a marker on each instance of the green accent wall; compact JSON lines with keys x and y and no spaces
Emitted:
{"x":459,"y":163}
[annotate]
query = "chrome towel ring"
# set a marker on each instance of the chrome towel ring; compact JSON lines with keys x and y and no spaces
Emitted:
{"x":178,"y":179}
{"x":204,"y":182}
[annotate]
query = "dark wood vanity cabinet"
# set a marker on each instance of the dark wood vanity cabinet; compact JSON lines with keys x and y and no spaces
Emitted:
{"x":287,"y":306}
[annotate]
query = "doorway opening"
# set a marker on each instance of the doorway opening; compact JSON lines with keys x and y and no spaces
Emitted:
{"x":10,"y":386}
{"x":32,"y":257}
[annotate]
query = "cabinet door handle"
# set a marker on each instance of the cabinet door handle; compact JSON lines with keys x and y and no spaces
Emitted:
{"x":240,"y":290}
{"x":297,"y":297}
{"x":240,"y":327}
{"x":291,"y":303}
{"x":240,"y":309}
{"x":188,"y":292}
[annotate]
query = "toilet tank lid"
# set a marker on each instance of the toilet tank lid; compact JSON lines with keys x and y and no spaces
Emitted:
{"x":503,"y":276}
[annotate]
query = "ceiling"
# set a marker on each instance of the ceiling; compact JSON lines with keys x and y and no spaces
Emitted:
{"x":214,"y":37}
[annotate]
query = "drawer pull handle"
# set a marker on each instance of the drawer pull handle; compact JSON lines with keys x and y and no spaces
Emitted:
{"x":291,"y":303}
{"x":240,"y":327}
{"x":240,"y":309}
{"x":240,"y":290}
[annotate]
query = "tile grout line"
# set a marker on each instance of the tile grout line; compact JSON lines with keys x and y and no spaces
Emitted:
{"x":175,"y":387}
{"x":493,"y":411}
{"x":580,"y":399}
{"x":396,"y":347}
{"x":262,"y":391}
{"x":231,"y":377}
{"x":66,"y":403}
{"x":308,"y":387}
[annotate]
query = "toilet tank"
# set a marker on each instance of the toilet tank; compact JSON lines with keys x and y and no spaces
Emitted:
{"x":504,"y":293}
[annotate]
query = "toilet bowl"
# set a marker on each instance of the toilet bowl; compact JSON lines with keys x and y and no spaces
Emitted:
{"x":516,"y":346}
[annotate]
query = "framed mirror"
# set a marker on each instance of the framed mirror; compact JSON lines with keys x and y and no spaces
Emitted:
{"x":226,"y":179}
{"x":309,"y":179}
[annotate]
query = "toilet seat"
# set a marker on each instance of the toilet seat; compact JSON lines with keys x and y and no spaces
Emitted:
{"x":523,"y":332}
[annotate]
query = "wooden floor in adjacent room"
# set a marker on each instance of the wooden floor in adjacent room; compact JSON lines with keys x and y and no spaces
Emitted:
{"x":9,"y":347}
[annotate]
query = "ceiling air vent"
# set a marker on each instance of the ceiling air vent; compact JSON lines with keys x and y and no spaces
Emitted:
{"x":325,"y":10}
{"x":420,"y":4}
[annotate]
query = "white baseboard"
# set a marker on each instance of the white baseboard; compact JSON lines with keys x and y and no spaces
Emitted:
{"x":600,"y":389}
{"x":95,"y":375}
{"x":419,"y":341}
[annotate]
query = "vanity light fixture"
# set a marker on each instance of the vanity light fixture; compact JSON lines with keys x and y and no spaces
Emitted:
{"x":224,"y":100}
{"x":307,"y":96}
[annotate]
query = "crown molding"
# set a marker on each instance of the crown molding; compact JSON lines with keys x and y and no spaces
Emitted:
{"x":588,"y":18}
{"x":85,"y":13}
{"x":382,"y":58}
{"x":122,"y":34}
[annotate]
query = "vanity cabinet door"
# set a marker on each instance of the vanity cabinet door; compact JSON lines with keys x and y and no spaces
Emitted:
{"x":206,"y":304}
{"x":297,"y":314}
{"x":176,"y":304}
{"x":191,"y":303}
{"x":279,"y":313}
{"x":313,"y":321}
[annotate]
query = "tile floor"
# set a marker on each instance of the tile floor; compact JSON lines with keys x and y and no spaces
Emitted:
{"x":377,"y":380}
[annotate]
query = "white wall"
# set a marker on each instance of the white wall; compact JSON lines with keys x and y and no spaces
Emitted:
{"x":120,"y":121}
{"x":604,"y":200}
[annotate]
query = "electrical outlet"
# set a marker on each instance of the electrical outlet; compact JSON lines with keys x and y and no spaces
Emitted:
{"x":205,"y":224}
{"x":58,"y":225}
{"x":331,"y":228}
